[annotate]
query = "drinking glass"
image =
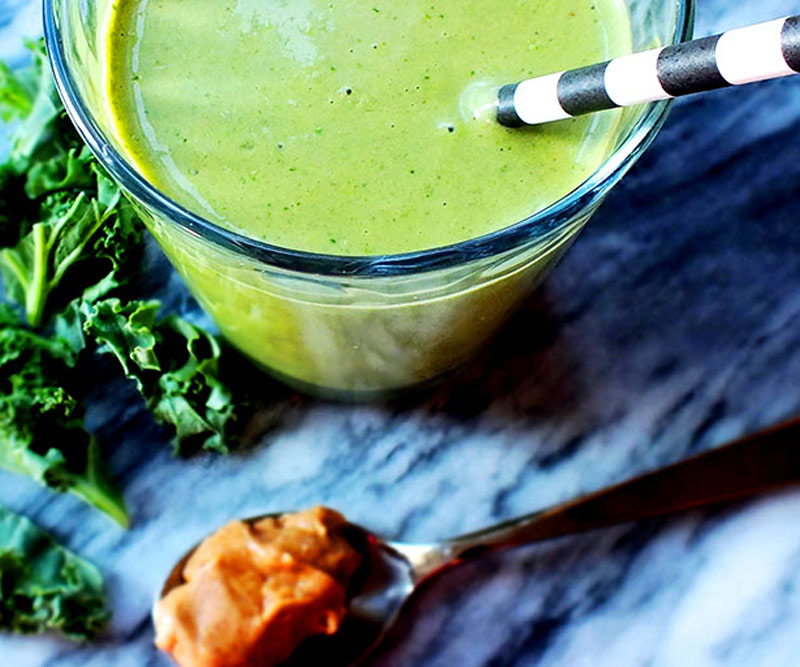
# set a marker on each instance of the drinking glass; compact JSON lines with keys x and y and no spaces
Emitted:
{"x":350,"y":327}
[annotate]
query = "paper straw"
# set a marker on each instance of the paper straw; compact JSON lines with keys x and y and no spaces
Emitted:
{"x":764,"y":51}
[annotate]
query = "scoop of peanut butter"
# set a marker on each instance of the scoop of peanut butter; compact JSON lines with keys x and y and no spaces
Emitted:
{"x":252,"y":593}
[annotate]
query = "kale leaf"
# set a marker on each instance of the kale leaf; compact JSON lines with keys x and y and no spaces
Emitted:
{"x":42,"y":139}
{"x":41,"y":423}
{"x":62,"y":215}
{"x":174,"y":364}
{"x":70,"y":244}
{"x":95,"y":230}
{"x":45,"y":587}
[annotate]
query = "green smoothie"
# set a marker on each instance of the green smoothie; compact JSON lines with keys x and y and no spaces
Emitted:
{"x":355,"y":128}
{"x":347,"y":127}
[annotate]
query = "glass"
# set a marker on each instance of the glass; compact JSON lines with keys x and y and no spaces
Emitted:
{"x":350,"y":326}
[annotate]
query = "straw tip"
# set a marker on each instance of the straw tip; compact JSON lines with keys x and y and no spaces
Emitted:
{"x":506,"y":110}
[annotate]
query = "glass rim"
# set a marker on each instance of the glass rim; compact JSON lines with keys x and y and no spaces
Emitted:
{"x":539,"y":226}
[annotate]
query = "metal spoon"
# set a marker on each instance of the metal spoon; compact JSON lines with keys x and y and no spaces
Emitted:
{"x":394,"y":571}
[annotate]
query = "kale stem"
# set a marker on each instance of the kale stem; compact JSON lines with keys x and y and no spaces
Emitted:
{"x":36,"y":298}
{"x":97,"y":489}
{"x":106,"y":499}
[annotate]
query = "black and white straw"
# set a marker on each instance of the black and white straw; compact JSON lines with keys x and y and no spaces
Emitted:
{"x":764,"y":51}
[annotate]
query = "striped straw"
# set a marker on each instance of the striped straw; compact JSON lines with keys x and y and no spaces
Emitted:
{"x":764,"y":51}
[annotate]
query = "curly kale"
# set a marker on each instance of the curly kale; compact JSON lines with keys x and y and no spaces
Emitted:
{"x":69,"y":247}
{"x":44,"y":587}
{"x":41,"y":423}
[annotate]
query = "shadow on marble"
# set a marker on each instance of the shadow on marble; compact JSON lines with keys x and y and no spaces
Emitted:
{"x":525,"y":369}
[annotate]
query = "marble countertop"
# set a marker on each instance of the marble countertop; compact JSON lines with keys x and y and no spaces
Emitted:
{"x":672,"y":326}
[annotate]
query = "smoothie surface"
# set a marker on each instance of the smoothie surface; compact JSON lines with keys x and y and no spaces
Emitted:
{"x":347,"y":127}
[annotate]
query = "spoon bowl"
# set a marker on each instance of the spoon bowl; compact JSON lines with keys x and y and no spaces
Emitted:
{"x":382,"y":584}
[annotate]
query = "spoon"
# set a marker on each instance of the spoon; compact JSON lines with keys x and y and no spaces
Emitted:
{"x":393,"y":572}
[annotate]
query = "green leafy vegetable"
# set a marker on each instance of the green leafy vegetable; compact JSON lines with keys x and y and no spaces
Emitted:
{"x":70,"y":245}
{"x":174,"y":364}
{"x":62,"y":215}
{"x":18,"y":91}
{"x":43,"y":139}
{"x":74,"y":229}
{"x":41,"y":423}
{"x":45,"y":587}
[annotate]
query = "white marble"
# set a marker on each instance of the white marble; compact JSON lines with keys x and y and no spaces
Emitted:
{"x":672,"y":326}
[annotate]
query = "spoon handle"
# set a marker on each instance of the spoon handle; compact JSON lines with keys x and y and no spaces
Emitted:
{"x":765,"y":460}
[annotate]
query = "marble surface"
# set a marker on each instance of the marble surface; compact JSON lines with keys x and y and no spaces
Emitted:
{"x":671,"y":326}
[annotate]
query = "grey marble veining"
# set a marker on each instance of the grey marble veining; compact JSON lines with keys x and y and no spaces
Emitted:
{"x":671,"y":326}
